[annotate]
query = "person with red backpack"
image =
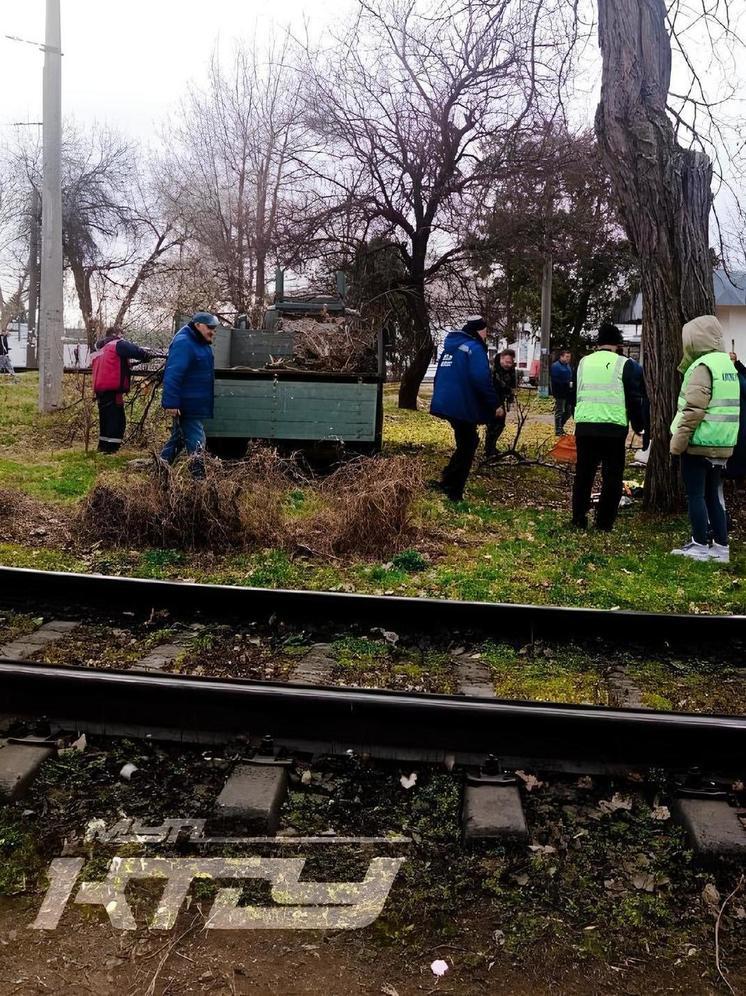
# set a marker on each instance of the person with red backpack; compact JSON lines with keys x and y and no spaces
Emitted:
{"x":111,"y":365}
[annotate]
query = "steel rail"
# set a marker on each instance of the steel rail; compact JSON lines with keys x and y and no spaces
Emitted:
{"x":428,"y":615}
{"x":365,"y":717}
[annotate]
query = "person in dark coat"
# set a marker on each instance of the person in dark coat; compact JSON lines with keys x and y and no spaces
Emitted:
{"x":111,"y":364}
{"x":637,"y":367}
{"x":463,"y":395}
{"x":562,"y":389}
{"x":189,"y":390}
{"x":735,"y":468}
{"x":608,"y":401}
{"x":504,"y":381}
{"x":6,"y":364}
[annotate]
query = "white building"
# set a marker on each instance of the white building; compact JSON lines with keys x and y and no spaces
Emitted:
{"x":730,"y":308}
{"x":75,"y":348}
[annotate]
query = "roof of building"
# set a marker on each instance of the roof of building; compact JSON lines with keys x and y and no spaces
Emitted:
{"x":730,"y":291}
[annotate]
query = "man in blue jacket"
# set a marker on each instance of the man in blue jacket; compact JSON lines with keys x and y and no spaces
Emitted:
{"x":189,"y":390}
{"x":463,"y":395}
{"x":562,"y":385}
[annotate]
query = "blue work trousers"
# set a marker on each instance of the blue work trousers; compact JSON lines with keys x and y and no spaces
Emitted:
{"x":704,"y":493}
{"x":187,"y":434}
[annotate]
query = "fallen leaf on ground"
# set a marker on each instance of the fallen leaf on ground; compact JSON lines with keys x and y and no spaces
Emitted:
{"x":660,"y":813}
{"x":711,"y":897}
{"x":530,"y":781}
{"x":616,"y":803}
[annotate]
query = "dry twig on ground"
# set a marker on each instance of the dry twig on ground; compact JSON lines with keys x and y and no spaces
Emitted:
{"x":739,"y":886}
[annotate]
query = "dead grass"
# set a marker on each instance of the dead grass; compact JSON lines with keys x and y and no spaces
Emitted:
{"x":236,"y":507}
{"x":366,"y":507}
{"x":369,"y":510}
{"x":31,"y":521}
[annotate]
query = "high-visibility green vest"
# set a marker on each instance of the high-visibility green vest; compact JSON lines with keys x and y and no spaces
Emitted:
{"x":600,"y":395}
{"x":719,"y":427}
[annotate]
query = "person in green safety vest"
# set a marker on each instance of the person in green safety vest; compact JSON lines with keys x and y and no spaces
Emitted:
{"x":704,"y":433}
{"x":609,"y":399}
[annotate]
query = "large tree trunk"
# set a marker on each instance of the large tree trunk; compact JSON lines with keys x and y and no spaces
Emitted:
{"x":423,"y":351}
{"x":665,"y":196}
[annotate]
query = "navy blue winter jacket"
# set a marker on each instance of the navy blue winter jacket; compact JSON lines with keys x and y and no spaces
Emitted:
{"x":562,"y":378}
{"x":463,"y":388}
{"x":189,"y":377}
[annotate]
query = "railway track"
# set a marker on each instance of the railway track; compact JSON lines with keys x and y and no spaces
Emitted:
{"x":483,"y":736}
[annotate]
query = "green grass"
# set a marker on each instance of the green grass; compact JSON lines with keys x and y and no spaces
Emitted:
{"x":33,"y":458}
{"x":562,"y":676}
{"x":508,"y":541}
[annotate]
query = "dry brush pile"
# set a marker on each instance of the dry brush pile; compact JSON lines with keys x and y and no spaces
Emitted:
{"x":366,"y":507}
{"x":337,"y":344}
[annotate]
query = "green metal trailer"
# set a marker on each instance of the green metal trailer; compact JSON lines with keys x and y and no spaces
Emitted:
{"x":297,"y":409}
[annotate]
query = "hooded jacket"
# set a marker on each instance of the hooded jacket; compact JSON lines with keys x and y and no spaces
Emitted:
{"x":189,"y":377}
{"x":463,"y":389}
{"x":700,"y":336}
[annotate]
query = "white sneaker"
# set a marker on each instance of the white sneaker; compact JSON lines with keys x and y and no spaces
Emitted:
{"x":720,"y":552}
{"x":695,"y":551}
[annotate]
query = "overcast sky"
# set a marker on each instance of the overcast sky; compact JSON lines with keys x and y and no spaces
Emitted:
{"x":128,"y":63}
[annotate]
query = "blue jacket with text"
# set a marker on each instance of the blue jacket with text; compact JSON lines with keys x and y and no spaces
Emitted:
{"x":463,"y":389}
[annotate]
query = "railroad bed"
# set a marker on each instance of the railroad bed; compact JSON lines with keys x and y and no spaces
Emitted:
{"x":441,"y":682}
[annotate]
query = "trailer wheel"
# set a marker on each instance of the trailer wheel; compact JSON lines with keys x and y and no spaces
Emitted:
{"x":227,"y":448}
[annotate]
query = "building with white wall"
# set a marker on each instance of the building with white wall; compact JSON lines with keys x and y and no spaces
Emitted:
{"x":75,"y":349}
{"x":730,"y":309}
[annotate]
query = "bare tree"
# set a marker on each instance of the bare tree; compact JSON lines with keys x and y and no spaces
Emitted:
{"x":14,"y":228}
{"x":403,"y":106}
{"x":233,"y":167}
{"x":114,"y":234}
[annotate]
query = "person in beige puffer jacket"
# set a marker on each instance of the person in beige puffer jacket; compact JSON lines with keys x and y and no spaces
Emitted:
{"x":704,"y":433}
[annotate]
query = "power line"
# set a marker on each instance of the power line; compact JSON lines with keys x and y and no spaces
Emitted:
{"x":40,"y":45}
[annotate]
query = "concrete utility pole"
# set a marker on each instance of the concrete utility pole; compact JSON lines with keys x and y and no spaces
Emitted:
{"x":546,"y":326}
{"x":33,"y":288}
{"x":51,"y":324}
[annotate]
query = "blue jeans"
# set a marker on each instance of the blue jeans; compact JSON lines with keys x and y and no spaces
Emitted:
{"x":704,"y":492}
{"x":188,"y":434}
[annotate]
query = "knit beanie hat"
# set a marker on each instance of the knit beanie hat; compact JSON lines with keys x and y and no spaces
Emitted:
{"x":610,"y":335}
{"x":474,"y":323}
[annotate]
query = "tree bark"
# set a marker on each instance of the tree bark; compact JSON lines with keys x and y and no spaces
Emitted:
{"x":82,"y":279}
{"x":665,"y":197}
{"x":416,"y":369}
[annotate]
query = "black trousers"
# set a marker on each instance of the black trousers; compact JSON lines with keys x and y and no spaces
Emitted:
{"x":493,"y":431}
{"x":456,"y":472}
{"x":608,"y":451}
{"x":111,"y":421}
